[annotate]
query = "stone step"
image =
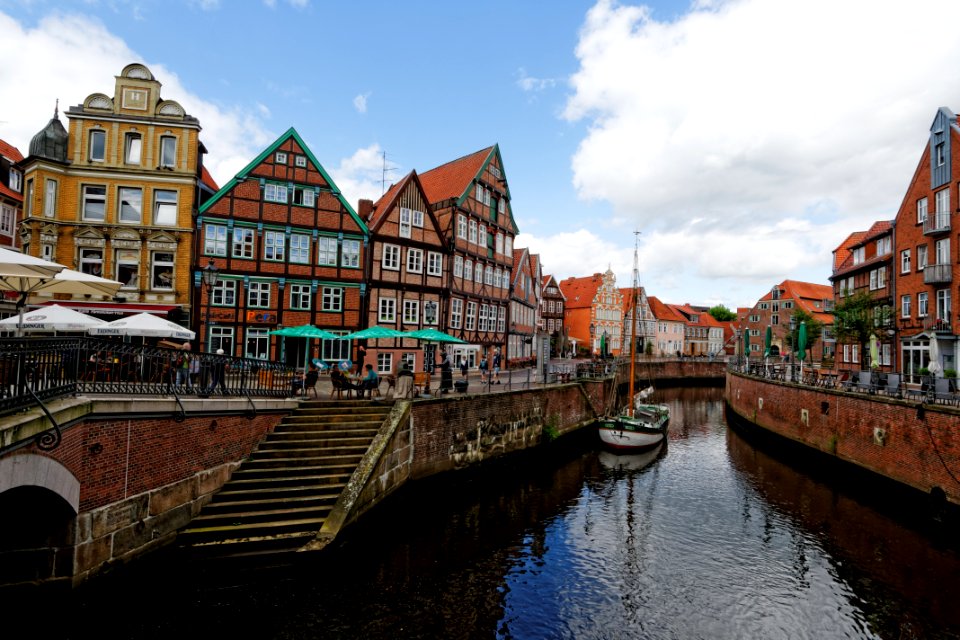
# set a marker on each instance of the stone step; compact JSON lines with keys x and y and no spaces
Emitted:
{"x":320,"y":441}
{"x":213,"y":533}
{"x":254,"y":500}
{"x":267,"y":451}
{"x":260,"y":516}
{"x":362,"y":426}
{"x":327,"y":409}
{"x":277,"y":492}
{"x":366,"y":419}
{"x":307,"y":434}
{"x":251,"y":546}
{"x":314,"y":473}
{"x":265,"y":462}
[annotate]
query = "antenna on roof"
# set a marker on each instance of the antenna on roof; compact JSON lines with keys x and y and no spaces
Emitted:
{"x":383,"y":175}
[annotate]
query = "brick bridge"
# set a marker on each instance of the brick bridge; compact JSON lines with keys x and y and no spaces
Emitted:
{"x":127,"y":476}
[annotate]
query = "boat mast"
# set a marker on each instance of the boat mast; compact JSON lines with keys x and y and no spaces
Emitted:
{"x":632,"y":311}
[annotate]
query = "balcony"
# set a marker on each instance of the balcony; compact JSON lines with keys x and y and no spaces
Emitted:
{"x":936,"y":223}
{"x":940,"y":325}
{"x":938,"y":274}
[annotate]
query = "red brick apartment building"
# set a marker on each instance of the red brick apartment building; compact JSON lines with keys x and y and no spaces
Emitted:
{"x":290,"y":251}
{"x":775,"y":310}
{"x":11,"y":194}
{"x":594,"y":312}
{"x":925,"y":258}
{"x":471,"y":201}
{"x":864,"y":262}
{"x":407,"y":276}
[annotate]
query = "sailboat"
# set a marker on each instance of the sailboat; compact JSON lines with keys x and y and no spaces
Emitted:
{"x":639,"y":425}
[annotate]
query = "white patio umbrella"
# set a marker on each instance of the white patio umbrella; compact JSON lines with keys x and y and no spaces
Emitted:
{"x":935,"y":368}
{"x":18,"y":271}
{"x":143,"y":324}
{"x":52,"y":318}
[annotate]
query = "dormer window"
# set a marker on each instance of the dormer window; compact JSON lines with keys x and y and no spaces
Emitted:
{"x":941,"y":154}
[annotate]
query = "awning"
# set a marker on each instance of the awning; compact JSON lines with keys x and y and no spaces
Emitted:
{"x":114,"y":308}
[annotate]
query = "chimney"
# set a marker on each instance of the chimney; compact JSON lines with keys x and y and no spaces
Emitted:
{"x":364,"y":209}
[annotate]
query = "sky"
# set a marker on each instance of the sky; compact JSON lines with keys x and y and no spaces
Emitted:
{"x":744,"y":139}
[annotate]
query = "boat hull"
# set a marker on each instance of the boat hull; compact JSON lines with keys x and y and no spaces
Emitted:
{"x":646,"y":429}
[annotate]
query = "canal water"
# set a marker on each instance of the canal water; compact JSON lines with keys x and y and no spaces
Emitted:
{"x":714,"y":536}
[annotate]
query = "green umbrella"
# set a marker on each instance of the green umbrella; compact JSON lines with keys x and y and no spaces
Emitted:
{"x":432,"y":335}
{"x":746,"y":344}
{"x":307,"y":331}
{"x":374,"y":333}
{"x":768,"y":342}
{"x":801,"y":350}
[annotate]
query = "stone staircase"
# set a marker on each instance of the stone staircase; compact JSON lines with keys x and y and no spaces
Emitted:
{"x":279,"y":497}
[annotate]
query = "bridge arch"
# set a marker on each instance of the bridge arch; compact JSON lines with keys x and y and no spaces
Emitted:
{"x":31,"y":470}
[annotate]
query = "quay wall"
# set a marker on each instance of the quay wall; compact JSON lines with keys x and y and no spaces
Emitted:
{"x":910,"y":442}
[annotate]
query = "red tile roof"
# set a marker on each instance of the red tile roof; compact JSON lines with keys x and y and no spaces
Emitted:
{"x":663,"y":312}
{"x":806,"y":295}
{"x":841,"y":253}
{"x":878,"y":229}
{"x":207,"y":179}
{"x":580,"y":292}
{"x":7,"y":150}
{"x":450,"y":180}
{"x":385,"y":202}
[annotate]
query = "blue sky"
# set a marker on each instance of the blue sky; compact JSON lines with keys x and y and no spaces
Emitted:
{"x":745,"y":138}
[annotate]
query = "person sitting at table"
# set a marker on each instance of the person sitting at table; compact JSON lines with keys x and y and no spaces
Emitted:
{"x":340,"y":380}
{"x":369,"y":382}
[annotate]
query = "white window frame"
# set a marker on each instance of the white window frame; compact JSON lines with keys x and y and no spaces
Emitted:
{"x":51,"y":187}
{"x":468,"y":271}
{"x":244,"y":243}
{"x":905,"y":261}
{"x":411,"y":312}
{"x":384,"y":362}
{"x":458,"y":266}
{"x":478,"y":273}
{"x":224,"y":293}
{"x":923,"y":304}
{"x":472,"y":234}
{"x":299,"y":248}
{"x":90,"y":198}
{"x":482,"y":318}
{"x":327,"y":249}
{"x":434,"y":263}
{"x":304,"y":196}
{"x":165,"y":207}
{"x":132,"y":148}
{"x":944,"y":304}
{"x":427,"y":305}
{"x":8,"y":217}
{"x":390,"y":260}
{"x":123,"y":260}
{"x":273,"y":192}
{"x":405,"y":215}
{"x":280,"y":157}
{"x":488,"y":275}
{"x":258,"y":294}
{"x":90,"y":261}
{"x":905,"y":306}
{"x":387,"y":310}
{"x":301,"y":296}
{"x":417,"y":218}
{"x":461,"y":226}
{"x":470,"y":321}
{"x":922,"y":210}
{"x":350,"y":254}
{"x":502,"y":321}
{"x":94,"y":135}
{"x":157,"y":262}
{"x":15,"y":181}
{"x":332,"y":299}
{"x":168,"y":151}
{"x":499,"y":243}
{"x":456,"y":313}
{"x":941,"y":251}
{"x":130,"y":213}
{"x":274,"y":245}
{"x":508,"y":246}
{"x":214,"y":239}
{"x":922,"y":258}
{"x":300,"y":161}
{"x":414,"y":260}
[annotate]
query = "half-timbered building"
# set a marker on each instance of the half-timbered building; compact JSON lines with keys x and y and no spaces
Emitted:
{"x":552,"y":304}
{"x":524,"y":294}
{"x":290,"y":251}
{"x":406,"y":266}
{"x":471,"y":201}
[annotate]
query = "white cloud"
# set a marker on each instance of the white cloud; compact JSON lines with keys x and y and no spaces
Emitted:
{"x":206,"y":5}
{"x":360,"y":102}
{"x":579,"y":253}
{"x":296,"y":4}
{"x":85,"y":57}
{"x":746,"y":114}
{"x":528,"y":83}
{"x":361,"y":175}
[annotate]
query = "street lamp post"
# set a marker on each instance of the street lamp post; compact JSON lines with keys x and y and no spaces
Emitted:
{"x":210,"y":277}
{"x":593,"y":328}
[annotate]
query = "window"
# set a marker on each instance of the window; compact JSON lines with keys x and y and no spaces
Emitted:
{"x":905,"y":306}
{"x":127,"y":268}
{"x":94,"y":203}
{"x":168,"y":151}
{"x":502,"y":320}
{"x":774,"y":319}
{"x":131,"y":205}
{"x":49,"y":198}
{"x":351,"y":253}
{"x":8,"y":216}
{"x":418,"y":219}
{"x":332,"y":299}
{"x":942,"y":251}
{"x":468,"y":271}
{"x":943,"y":304}
{"x":164,"y":207}
{"x":161,"y":271}
{"x":483,"y":318}
{"x":471,"y":319}
{"x":304,"y":196}
{"x":243,"y":242}
{"x":486,"y":197}
{"x":501,"y":206}
{"x":456,"y":313}
{"x":257,"y":343}
{"x":275,"y":192}
{"x":411,"y":311}
{"x":300,"y":297}
{"x":274,"y":245}
{"x":479,"y":193}
{"x":98,"y":145}
{"x":258,"y":294}
{"x":498,"y":280}
{"x":942,"y":199}
{"x":16,"y":180}
{"x":404,"y":222}
{"x":225,"y":293}
{"x":500,"y":243}
{"x":430,"y":315}
{"x":434,"y":263}
{"x":508,"y":246}
{"x":488,"y":278}
{"x":462,"y":226}
{"x":878,"y":278}
{"x":858,"y":255}
{"x":391,"y":257}
{"x":91,"y":261}
{"x":221,"y":338}
{"x":327,"y":251}
{"x":922,"y":304}
{"x":28,"y":198}
{"x":384,"y":363}
{"x":300,"y":161}
{"x":905,"y":261}
{"x":473,"y":232}
{"x":941,"y":154}
{"x":280,"y":158}
{"x":482,"y":235}
{"x":387,"y":311}
{"x":921,"y":210}
{"x":132,"y":148}
{"x":299,"y":248}
{"x":885,"y":354}
{"x":846,"y":353}
{"x":458,"y":266}
{"x":478,"y":273}
{"x":921,"y":257}
{"x":415,"y":260}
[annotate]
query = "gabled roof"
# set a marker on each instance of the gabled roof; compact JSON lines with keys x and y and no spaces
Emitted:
{"x":841,"y":253}
{"x":384,"y":202}
{"x":208,"y":180}
{"x":663,"y":312}
{"x":546,"y":283}
{"x":877,"y":229}
{"x":288,"y":134}
{"x":580,"y":292}
{"x":10,"y":152}
{"x":806,"y":295}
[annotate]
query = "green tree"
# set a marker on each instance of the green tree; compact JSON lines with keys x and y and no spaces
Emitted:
{"x":814,"y":329}
{"x":858,"y":317}
{"x":721,"y":314}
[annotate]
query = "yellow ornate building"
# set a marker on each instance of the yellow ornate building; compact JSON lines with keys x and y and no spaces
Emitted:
{"x":116,"y":196}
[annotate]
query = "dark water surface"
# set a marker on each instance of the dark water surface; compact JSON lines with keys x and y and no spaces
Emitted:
{"x":712,"y":537}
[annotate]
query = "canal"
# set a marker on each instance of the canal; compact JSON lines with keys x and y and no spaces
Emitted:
{"x":714,"y":536}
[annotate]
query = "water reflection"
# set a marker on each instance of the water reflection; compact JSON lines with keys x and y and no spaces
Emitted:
{"x":709,"y":537}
